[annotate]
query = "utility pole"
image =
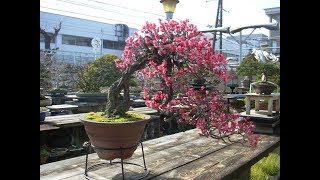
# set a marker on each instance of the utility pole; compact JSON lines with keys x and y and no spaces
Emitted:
{"x":218,"y":24}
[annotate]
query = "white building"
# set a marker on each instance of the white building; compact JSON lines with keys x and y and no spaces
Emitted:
{"x":74,"y":38}
{"x":274,"y":35}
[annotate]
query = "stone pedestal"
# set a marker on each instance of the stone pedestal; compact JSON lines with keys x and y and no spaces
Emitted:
{"x":264,"y":124}
{"x":257,"y":97}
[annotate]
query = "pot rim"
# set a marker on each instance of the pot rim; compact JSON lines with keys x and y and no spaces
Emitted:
{"x":146,"y":118}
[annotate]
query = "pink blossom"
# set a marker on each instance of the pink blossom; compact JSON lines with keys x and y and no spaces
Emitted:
{"x":176,"y":51}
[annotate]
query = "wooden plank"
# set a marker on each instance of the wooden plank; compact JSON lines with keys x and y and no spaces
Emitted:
{"x":62,"y":107}
{"x":145,"y":110}
{"x":160,"y":162}
{"x":47,"y":127}
{"x":242,"y":159}
{"x":224,"y":162}
{"x":183,"y":156}
{"x":150,"y":147}
{"x":63,"y":121}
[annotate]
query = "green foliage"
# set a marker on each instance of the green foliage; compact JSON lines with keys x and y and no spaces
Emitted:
{"x":251,"y":102}
{"x":133,"y":83}
{"x":99,"y":117}
{"x":251,"y":67}
{"x":248,"y":67}
{"x":267,"y":166}
{"x":43,"y":109}
{"x":44,"y":152}
{"x":102,"y":72}
{"x":238,"y":104}
{"x":58,"y":91}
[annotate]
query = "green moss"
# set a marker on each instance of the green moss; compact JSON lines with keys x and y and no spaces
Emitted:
{"x":43,"y":108}
{"x":267,"y":166}
{"x":257,"y":173}
{"x":99,"y":117}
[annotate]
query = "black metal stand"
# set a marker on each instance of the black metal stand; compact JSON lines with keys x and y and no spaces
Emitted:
{"x":87,"y":169}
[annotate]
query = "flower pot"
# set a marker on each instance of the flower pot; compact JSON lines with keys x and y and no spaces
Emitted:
{"x":108,"y":138}
{"x":43,"y":115}
{"x":264,"y":87}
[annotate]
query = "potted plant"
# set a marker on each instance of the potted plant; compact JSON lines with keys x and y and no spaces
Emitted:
{"x":43,"y":113}
{"x":171,"y":51}
{"x":58,"y":95}
{"x":264,"y":87}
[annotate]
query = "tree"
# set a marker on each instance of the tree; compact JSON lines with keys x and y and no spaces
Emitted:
{"x":48,"y":67}
{"x":250,"y":66}
{"x":45,"y":71}
{"x":102,"y":72}
{"x":48,"y":37}
{"x":168,"y":51}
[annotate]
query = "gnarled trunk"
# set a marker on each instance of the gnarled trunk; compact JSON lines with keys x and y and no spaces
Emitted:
{"x":115,"y":106}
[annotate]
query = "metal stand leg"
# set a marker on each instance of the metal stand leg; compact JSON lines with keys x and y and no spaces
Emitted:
{"x":144,"y":161}
{"x":87,"y":169}
{"x":86,"y":146}
{"x":122,"y":164}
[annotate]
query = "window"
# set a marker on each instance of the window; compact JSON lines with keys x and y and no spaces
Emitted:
{"x":76,"y":40}
{"x":107,"y":44}
{"x":50,"y":34}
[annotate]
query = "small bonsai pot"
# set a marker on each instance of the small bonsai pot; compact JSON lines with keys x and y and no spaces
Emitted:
{"x":264,"y":87}
{"x":43,"y":115}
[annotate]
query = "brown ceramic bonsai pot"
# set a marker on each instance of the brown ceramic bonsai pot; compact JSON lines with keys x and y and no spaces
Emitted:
{"x":113,"y":136}
{"x":264,"y":87}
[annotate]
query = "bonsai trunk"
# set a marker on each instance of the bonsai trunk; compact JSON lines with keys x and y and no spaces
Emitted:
{"x":115,"y":106}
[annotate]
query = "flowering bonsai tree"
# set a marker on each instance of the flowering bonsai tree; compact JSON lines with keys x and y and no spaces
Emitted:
{"x":174,"y":52}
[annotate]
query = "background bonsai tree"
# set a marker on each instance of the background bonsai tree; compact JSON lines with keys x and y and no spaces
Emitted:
{"x":99,"y":73}
{"x":250,"y":66}
{"x":168,"y":51}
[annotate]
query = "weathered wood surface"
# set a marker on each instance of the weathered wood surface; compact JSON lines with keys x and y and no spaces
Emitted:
{"x":72,"y":120}
{"x":179,"y":156}
{"x":47,"y":127}
{"x":144,"y":110}
{"x":62,"y":121}
{"x":62,"y":107}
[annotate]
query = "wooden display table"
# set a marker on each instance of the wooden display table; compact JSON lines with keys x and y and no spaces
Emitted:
{"x":184,"y":155}
{"x":67,"y":108}
{"x":258,"y":97}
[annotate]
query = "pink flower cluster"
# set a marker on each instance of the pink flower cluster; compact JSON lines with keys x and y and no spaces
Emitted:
{"x":175,"y":50}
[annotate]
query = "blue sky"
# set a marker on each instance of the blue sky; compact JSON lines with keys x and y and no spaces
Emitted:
{"x":136,"y":12}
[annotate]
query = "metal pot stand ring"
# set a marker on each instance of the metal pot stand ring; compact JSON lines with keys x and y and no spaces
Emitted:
{"x":88,"y":168}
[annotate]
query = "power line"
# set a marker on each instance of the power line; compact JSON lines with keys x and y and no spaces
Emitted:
{"x":91,"y":15}
{"x":97,"y":7}
{"x":123,"y":7}
{"x":126,"y":8}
